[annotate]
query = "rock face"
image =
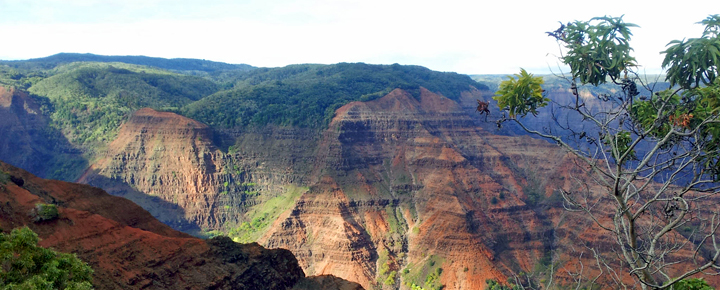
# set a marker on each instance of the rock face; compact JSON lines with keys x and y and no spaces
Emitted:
{"x":411,"y":188}
{"x":412,"y":183}
{"x":28,"y":141}
{"x":129,"y":249}
{"x":161,"y":154}
{"x":169,"y":165}
{"x":394,"y":191}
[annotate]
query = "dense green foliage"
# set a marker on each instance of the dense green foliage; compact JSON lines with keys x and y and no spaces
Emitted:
{"x":695,"y":60}
{"x":11,"y":77}
{"x":90,"y":101}
{"x":25,"y":265}
{"x":597,"y":49}
{"x":308,"y":95}
{"x":45,"y":212}
{"x":87,"y":97}
{"x":692,"y":284}
{"x":176,"y":64}
{"x":521,"y":94}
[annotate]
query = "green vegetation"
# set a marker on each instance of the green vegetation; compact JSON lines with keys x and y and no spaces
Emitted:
{"x":494,"y":285}
{"x":395,"y":220}
{"x":425,"y":276}
{"x":691,"y":284}
{"x":259,"y":217}
{"x":87,"y":97}
{"x":390,"y":278}
{"x":598,"y":50}
{"x":632,"y":128}
{"x":25,"y":265}
{"x":521,"y":94}
{"x":308,"y":95}
{"x":11,"y":77}
{"x":190,"y":66}
{"x":4,"y":177}
{"x":89,"y":101}
{"x":383,"y":264}
{"x":45,"y":212}
{"x":66,"y":167}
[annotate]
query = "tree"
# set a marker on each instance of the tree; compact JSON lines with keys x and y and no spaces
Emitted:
{"x":25,"y":265}
{"x":651,"y":156}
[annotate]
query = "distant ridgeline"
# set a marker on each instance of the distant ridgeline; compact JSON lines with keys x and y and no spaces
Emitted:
{"x":87,"y":97}
{"x":175,"y":64}
{"x":557,"y":83}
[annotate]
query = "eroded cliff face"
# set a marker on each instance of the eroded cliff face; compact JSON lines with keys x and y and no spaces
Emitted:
{"x":411,"y":188}
{"x":405,"y":185}
{"x":392,"y":191}
{"x":129,"y":249}
{"x":163,"y":162}
{"x":169,"y":165}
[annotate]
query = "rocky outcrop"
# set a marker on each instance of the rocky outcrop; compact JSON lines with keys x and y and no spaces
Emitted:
{"x":129,"y":249}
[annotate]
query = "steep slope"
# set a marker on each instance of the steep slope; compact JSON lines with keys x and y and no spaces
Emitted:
{"x":405,"y":189}
{"x":415,"y":184}
{"x":91,"y":100}
{"x":128,"y":249}
{"x":168,"y":164}
{"x":29,"y":141}
{"x":387,"y":179}
{"x":161,"y":154}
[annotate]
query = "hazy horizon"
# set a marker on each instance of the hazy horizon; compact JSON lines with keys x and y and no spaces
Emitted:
{"x":459,"y":36}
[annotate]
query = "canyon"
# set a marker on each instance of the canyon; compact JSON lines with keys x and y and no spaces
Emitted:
{"x":393,"y":190}
{"x":398,"y":190}
{"x":129,"y":249}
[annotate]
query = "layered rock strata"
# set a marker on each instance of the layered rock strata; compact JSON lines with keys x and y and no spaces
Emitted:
{"x":129,"y":249}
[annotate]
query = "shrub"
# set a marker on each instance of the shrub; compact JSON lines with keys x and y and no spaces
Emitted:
{"x":44,"y":212}
{"x":25,"y":265}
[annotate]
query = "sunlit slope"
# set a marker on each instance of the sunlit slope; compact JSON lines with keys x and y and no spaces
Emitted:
{"x":308,"y":95}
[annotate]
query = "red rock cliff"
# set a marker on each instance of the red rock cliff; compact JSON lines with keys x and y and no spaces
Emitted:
{"x":129,"y":249}
{"x":393,"y":191}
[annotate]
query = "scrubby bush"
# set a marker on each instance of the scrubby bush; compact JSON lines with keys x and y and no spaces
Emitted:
{"x":44,"y":212}
{"x":25,"y":265}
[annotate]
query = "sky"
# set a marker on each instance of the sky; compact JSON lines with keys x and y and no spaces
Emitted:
{"x":468,"y":36}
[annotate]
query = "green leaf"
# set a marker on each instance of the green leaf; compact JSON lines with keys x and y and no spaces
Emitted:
{"x":521,"y":94}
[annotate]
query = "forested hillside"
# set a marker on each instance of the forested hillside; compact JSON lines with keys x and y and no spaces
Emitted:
{"x":87,"y":97}
{"x":90,"y":101}
{"x":175,"y":64}
{"x":308,"y":95}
